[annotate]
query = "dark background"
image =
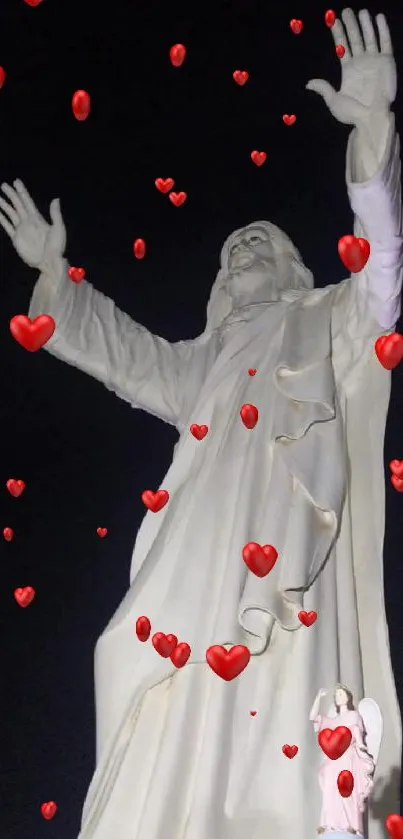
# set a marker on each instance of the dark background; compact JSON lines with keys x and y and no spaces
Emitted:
{"x":86,"y":456}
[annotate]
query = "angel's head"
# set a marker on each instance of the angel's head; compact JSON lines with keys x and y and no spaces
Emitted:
{"x":343,"y":699}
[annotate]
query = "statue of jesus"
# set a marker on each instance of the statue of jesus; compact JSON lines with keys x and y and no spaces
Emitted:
{"x":179,"y":754}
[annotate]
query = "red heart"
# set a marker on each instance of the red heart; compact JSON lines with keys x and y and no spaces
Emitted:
{"x":15,"y":488}
{"x":2,"y":76}
{"x":252,"y":371}
{"x":307,"y":618}
{"x":180,"y":654}
{"x":48,"y":809}
{"x":330,"y":18}
{"x":396,"y":466}
{"x":397,"y":483}
{"x":260,"y":559}
{"x":259,"y":157}
{"x":81,"y":105}
{"x":164,"y":644}
{"x":177,"y":55}
{"x":345,"y":783}
{"x":33,"y":2}
{"x":340,"y":51}
{"x":32,"y":334}
{"x":139,"y":248}
{"x":227,"y":663}
{"x":354,"y":252}
{"x":8,"y":534}
{"x":335,"y":742}
{"x":177,"y":198}
{"x":24,"y":596}
{"x":240,"y":77}
{"x":289,"y":119}
{"x":164,"y":184}
{"x":389,"y":349}
{"x":102,"y":531}
{"x":77,"y":274}
{"x":253,"y":713}
{"x":290,"y":751}
{"x":296,"y":26}
{"x":199,"y":431}
{"x":143,"y":628}
{"x":155,"y":501}
{"x":394,"y":826}
{"x":249,"y":415}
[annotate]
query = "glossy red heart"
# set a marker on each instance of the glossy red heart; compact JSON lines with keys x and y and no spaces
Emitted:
{"x":164,"y":644}
{"x":340,"y":51}
{"x":164,"y":184}
{"x":354,"y":252}
{"x":77,"y":274}
{"x":394,"y":826}
{"x":199,"y":431}
{"x":102,"y":531}
{"x":24,"y":596}
{"x":155,"y":501}
{"x":396,"y":466}
{"x":290,"y":751}
{"x":334,"y":742}
{"x":32,"y":334}
{"x":81,"y":105}
{"x":48,"y":810}
{"x":180,"y":654}
{"x":143,"y":628}
{"x":8,"y":534}
{"x":227,"y":664}
{"x":240,"y":76}
{"x":249,"y":415}
{"x":330,"y":18}
{"x":252,"y":371}
{"x":259,"y":157}
{"x":289,"y":119}
{"x":2,"y":76}
{"x":177,"y":55}
{"x":307,"y":618}
{"x":296,"y":26}
{"x":397,"y":483}
{"x":15,"y":487}
{"x":389,"y":350}
{"x":345,"y":783}
{"x":139,"y":248}
{"x":177,"y":198}
{"x":260,"y":559}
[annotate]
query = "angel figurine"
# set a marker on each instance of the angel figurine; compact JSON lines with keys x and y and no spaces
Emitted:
{"x":346,"y":814}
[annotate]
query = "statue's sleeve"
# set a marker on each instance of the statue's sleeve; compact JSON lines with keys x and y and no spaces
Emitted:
{"x":94,"y":335}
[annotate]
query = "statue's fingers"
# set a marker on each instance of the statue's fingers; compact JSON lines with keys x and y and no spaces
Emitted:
{"x":7,"y":226}
{"x":384,"y":35}
{"x":368,"y":31}
{"x":15,"y":200}
{"x":9,"y":211}
{"x":340,"y":37}
{"x":353,"y":31}
{"x":25,"y":197}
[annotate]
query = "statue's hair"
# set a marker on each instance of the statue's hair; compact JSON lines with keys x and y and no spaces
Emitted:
{"x":350,"y":698}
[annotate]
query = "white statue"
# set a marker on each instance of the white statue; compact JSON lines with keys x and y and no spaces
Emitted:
{"x":178,"y":754}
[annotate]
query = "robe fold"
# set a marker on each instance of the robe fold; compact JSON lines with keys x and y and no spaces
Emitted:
{"x":178,"y":754}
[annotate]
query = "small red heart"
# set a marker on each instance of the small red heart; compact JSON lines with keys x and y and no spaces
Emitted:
{"x":396,"y":466}
{"x":102,"y":531}
{"x":24,"y":596}
{"x":394,"y":826}
{"x":177,"y":198}
{"x":334,"y":742}
{"x":340,"y":51}
{"x":249,"y":415}
{"x":81,"y":105}
{"x":143,"y":628}
{"x":228,"y":663}
{"x":253,"y":713}
{"x":296,"y":26}
{"x":155,"y":501}
{"x":389,"y":350}
{"x":345,"y":783}
{"x":77,"y":274}
{"x":2,"y":76}
{"x":354,"y":252}
{"x":307,"y":618}
{"x":8,"y":534}
{"x":330,"y":18}
{"x":240,"y":77}
{"x":180,"y":654}
{"x":164,"y":644}
{"x":259,"y":157}
{"x":15,"y":488}
{"x":32,"y":334}
{"x":260,"y":559}
{"x":290,"y":751}
{"x":199,"y":431}
{"x":164,"y":184}
{"x":48,"y":810}
{"x":252,"y":371}
{"x":397,"y":483}
{"x":289,"y":119}
{"x":139,"y":248}
{"x":177,"y":55}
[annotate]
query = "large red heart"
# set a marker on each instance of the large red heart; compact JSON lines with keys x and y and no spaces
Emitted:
{"x":307,"y":618}
{"x":164,"y":644}
{"x":345,"y":783}
{"x":249,"y":415}
{"x":290,"y":751}
{"x":228,"y":663}
{"x":296,"y":26}
{"x":240,"y":76}
{"x":334,"y":742}
{"x":289,"y":119}
{"x":102,"y":531}
{"x":354,"y":252}
{"x":389,"y":350}
{"x":259,"y":157}
{"x":143,"y":628}
{"x":32,"y":334}
{"x":180,"y":654}
{"x":177,"y":198}
{"x":77,"y":274}
{"x":155,"y":501}
{"x":15,"y":488}
{"x":24,"y":596}
{"x":394,"y":826}
{"x":164,"y":184}
{"x":48,"y":809}
{"x":198,"y":431}
{"x":260,"y":559}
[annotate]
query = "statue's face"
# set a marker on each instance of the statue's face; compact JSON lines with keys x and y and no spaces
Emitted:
{"x":251,"y":245}
{"x":340,"y":697}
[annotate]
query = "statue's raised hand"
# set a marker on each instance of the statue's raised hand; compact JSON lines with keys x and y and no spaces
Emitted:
{"x":369,"y":80}
{"x":34,"y":239}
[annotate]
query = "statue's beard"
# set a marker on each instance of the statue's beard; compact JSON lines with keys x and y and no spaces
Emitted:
{"x":256,"y":283}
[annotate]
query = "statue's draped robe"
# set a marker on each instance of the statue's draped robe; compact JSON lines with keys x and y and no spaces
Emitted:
{"x":179,"y":755}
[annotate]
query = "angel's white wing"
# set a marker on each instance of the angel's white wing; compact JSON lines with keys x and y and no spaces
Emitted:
{"x":373,"y":724}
